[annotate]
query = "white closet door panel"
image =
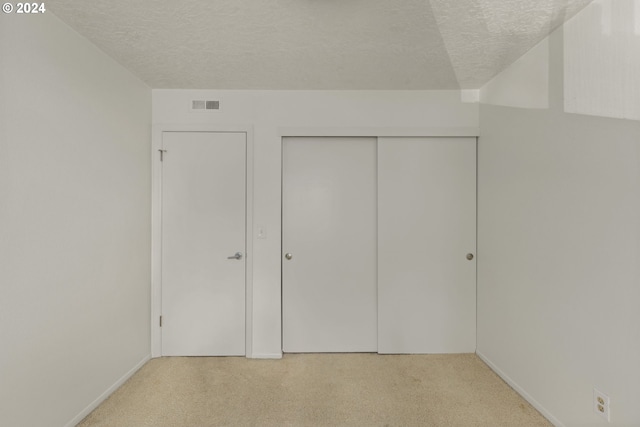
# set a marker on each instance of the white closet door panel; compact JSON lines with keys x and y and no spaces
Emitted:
{"x":426,"y":228}
{"x":329,"y":227}
{"x":203,"y":223}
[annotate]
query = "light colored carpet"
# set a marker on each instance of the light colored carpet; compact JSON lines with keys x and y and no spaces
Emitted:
{"x":316,"y":390}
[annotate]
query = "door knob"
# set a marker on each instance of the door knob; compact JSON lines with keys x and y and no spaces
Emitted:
{"x":469,"y":257}
{"x":238,"y":255}
{"x":288,"y":256}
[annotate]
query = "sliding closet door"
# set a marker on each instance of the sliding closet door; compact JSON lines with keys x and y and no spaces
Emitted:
{"x":426,"y":245}
{"x":329,"y":245}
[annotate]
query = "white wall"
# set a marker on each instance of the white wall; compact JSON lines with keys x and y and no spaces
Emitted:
{"x":268,"y":112}
{"x":525,"y":84}
{"x":74,"y":222}
{"x":559,"y":255}
{"x":604,"y":79}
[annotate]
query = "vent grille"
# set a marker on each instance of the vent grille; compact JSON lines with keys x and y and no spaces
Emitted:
{"x":205,"y":105}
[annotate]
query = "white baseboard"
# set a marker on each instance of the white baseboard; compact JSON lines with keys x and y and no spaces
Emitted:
{"x":553,"y":420}
{"x":265,"y":356}
{"x":93,"y":405}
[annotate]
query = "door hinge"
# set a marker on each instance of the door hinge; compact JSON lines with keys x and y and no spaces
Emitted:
{"x":162,"y":154}
{"x":161,"y":321}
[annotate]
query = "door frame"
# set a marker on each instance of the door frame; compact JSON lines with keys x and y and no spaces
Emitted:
{"x":156,"y":228}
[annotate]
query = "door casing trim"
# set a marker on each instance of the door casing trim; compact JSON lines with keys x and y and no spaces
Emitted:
{"x":156,"y":228}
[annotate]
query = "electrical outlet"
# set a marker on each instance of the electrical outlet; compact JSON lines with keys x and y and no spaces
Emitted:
{"x":601,"y":404}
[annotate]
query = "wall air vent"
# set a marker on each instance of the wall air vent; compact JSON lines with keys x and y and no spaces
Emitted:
{"x":204,"y":105}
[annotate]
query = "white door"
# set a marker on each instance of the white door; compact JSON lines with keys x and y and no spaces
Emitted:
{"x":329,"y":230}
{"x":426,"y":230}
{"x":203,"y":225}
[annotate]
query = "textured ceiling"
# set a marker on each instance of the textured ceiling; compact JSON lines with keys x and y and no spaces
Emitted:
{"x":315,"y":44}
{"x":483,"y":37}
